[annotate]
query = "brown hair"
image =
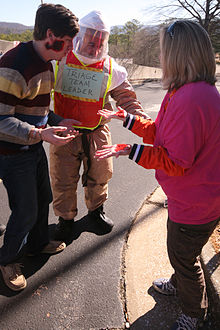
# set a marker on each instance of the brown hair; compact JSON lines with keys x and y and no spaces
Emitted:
{"x":186,"y":55}
{"x":58,"y":18}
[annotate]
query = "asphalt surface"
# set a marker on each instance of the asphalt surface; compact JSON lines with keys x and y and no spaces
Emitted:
{"x":102,"y":281}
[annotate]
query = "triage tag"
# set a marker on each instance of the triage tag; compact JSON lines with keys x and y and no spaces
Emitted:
{"x":82,"y":83}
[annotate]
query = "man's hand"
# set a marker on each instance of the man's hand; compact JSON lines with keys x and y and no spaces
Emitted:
{"x":114,"y":150}
{"x":120,"y":114}
{"x":52,"y":135}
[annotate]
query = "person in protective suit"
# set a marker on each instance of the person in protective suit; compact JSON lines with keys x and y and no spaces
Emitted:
{"x":84,"y":81}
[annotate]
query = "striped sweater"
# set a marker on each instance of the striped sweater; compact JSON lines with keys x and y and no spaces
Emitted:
{"x":25,"y":85}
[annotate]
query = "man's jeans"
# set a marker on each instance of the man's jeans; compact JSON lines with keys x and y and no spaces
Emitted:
{"x":26,"y":179}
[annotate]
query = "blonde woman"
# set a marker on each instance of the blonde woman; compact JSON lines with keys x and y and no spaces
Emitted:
{"x":185,"y":139}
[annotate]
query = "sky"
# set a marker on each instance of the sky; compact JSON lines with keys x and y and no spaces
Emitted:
{"x":116,"y":12}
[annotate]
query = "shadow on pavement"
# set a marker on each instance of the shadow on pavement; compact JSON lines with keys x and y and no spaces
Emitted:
{"x":161,"y":316}
{"x":87,"y":225}
{"x":49,"y":279}
{"x":80,"y":226}
{"x":164,"y":314}
{"x":213,"y":263}
{"x":32,"y":265}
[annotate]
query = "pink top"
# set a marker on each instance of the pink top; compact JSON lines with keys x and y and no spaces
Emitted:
{"x":190,"y":132}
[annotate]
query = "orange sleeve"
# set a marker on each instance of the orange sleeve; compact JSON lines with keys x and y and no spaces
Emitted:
{"x":144,"y":128}
{"x":155,"y":158}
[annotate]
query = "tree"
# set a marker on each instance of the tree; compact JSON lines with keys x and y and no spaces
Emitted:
{"x":121,"y":39}
{"x":130,"y":29}
{"x":146,"y":47}
{"x":114,"y":37}
{"x":142,"y":43}
{"x":24,"y":36}
{"x":205,"y":12}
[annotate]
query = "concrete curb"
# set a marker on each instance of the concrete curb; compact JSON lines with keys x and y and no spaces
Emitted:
{"x":211,"y":261}
{"x":146,"y":259}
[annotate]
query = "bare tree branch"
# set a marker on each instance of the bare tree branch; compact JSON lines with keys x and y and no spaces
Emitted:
{"x":192,"y":10}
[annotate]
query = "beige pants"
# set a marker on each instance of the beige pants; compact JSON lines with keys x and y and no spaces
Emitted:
{"x":65,"y":162}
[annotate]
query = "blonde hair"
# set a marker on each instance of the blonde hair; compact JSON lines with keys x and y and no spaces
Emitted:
{"x":186,"y":55}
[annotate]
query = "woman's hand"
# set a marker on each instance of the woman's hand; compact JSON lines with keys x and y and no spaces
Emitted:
{"x":120,"y":114}
{"x":114,"y":150}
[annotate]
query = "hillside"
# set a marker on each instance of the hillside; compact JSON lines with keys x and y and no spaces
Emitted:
{"x":6,"y":27}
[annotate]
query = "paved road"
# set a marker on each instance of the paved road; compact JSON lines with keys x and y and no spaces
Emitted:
{"x":81,"y":288}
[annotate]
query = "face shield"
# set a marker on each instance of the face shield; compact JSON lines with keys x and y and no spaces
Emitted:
{"x":91,"y":43}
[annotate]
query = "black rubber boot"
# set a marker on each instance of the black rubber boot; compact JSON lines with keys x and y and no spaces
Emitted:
{"x":64,"y":230}
{"x":99,"y":216}
{"x":2,"y":229}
